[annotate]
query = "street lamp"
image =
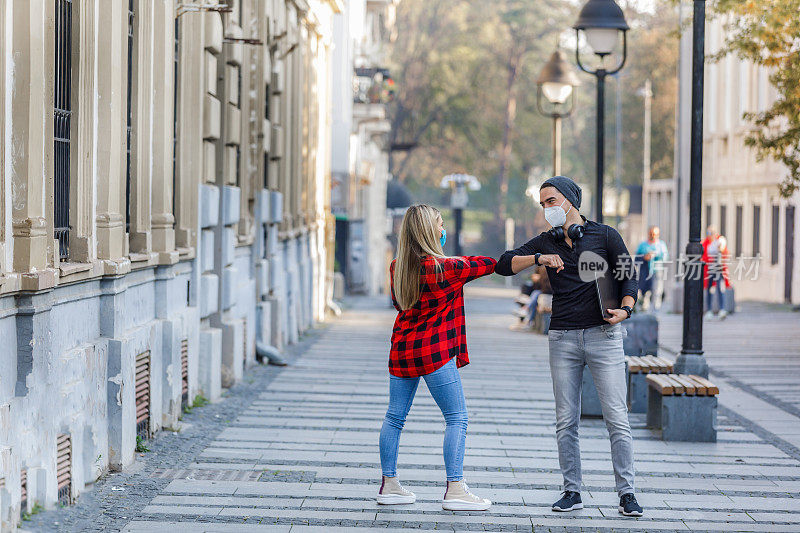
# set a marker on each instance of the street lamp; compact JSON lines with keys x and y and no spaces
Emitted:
{"x":691,"y":359}
{"x":601,"y":22}
{"x":458,"y":184}
{"x":556,"y":82}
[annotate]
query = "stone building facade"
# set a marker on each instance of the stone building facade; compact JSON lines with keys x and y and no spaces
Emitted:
{"x":740,"y":194}
{"x":362,"y":86}
{"x":164,"y":205}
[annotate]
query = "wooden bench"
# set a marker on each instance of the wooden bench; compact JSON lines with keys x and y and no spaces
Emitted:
{"x":638,"y":369}
{"x":683,"y":406}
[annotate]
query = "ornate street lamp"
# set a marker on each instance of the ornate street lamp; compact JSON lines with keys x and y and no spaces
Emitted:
{"x":601,"y":22}
{"x":458,"y":185}
{"x":691,"y":359}
{"x":557,"y":82}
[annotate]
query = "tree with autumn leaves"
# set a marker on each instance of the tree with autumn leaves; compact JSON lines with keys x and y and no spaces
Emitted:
{"x":767,"y":33}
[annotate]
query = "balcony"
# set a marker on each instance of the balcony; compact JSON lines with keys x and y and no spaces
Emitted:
{"x":373,"y":86}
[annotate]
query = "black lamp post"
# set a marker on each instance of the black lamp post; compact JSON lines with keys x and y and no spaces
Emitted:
{"x":458,"y":185}
{"x":601,"y":21}
{"x":556,"y":82}
{"x":691,"y":359}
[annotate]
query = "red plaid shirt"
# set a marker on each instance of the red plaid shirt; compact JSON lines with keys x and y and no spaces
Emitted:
{"x":430,"y":333}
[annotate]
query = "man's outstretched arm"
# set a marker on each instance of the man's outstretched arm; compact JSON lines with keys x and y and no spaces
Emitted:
{"x":517,"y":260}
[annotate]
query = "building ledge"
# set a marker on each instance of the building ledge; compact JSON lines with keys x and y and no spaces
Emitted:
{"x":39,"y":280}
{"x":186,"y":253}
{"x":68,"y":268}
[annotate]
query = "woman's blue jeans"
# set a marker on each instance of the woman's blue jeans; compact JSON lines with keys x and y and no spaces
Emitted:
{"x":445,"y":387}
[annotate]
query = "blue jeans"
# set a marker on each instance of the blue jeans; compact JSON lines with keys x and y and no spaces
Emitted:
{"x":717,"y":279}
{"x":445,"y":387}
{"x":599,"y":348}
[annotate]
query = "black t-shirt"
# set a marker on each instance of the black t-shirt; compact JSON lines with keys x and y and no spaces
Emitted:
{"x":575,"y":304}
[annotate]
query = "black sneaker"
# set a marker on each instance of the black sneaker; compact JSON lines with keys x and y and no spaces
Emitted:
{"x":570,"y":501}
{"x":628,"y":505}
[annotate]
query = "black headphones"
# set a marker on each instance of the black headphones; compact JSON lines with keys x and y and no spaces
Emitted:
{"x":574,"y":232}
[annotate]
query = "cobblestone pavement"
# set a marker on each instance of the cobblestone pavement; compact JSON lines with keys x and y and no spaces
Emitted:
{"x":756,"y":351}
{"x":296,"y":450}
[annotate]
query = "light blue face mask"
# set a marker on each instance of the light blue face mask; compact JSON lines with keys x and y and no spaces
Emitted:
{"x":443,"y":238}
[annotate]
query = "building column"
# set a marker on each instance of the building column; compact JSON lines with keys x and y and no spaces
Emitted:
{"x":112,"y":68}
{"x":5,"y":197}
{"x":189,"y":146}
{"x":83,"y":133}
{"x":162,"y":218}
{"x":32,"y":119}
{"x":141,"y":128}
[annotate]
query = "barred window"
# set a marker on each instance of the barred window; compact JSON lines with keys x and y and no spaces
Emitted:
{"x":62,"y":112}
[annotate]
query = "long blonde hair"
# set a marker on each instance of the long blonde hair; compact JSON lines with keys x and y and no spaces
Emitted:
{"x":418,"y":238}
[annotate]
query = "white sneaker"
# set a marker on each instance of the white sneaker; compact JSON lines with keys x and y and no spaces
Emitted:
{"x":457,"y":497}
{"x":709,"y":315}
{"x":723,"y":314}
{"x":392,"y":493}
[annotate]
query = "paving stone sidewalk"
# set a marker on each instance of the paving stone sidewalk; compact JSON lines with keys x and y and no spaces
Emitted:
{"x":756,"y":352}
{"x":296,"y":450}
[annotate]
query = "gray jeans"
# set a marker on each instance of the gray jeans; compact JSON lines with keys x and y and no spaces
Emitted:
{"x":599,"y":348}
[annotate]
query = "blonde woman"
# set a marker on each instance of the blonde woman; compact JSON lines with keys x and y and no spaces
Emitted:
{"x":429,"y":341}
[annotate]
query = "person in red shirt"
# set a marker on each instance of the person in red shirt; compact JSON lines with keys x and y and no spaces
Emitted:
{"x":429,"y":341}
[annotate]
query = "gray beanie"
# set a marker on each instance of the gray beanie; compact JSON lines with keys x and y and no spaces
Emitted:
{"x":567,"y":187}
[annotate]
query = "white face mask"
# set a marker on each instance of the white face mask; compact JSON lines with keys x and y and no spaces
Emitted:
{"x":555,"y":215}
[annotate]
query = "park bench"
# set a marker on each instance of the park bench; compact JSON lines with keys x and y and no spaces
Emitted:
{"x":638,"y":370}
{"x":683,"y":406}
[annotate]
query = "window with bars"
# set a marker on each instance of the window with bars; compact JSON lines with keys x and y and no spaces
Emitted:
{"x":64,"y":468}
{"x":723,"y":221}
{"x":23,"y":485}
{"x":184,"y":373}
{"x":129,"y":119}
{"x":142,"y":383}
{"x":62,"y":114}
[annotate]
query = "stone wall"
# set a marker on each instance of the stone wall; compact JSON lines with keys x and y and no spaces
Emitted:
{"x":196,"y":227}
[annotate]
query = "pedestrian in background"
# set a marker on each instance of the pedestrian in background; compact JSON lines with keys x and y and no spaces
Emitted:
{"x":715,"y":265}
{"x":541,"y":285}
{"x":429,"y":341}
{"x":653,"y":253}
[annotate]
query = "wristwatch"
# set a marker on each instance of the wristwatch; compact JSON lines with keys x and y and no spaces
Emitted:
{"x":536,"y":257}
{"x":628,"y":309}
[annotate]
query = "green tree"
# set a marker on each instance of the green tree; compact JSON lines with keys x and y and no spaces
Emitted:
{"x":466,"y":101}
{"x":767,"y":33}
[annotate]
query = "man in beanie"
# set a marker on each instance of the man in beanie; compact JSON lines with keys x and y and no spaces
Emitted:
{"x":580,"y":334}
